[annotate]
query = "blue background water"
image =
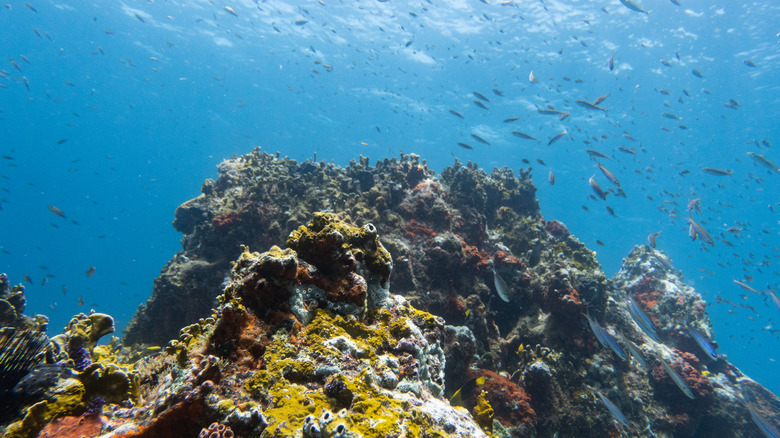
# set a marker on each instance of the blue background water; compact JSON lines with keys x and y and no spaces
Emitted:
{"x":132,"y":104}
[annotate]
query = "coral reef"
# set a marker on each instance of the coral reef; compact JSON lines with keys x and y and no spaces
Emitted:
{"x":444,"y":234}
{"x":309,"y":341}
{"x":306,"y":342}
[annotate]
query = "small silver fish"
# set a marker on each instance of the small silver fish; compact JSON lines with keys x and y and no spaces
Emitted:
{"x":698,"y":230}
{"x":641,"y":319}
{"x":481,"y":105}
{"x":678,"y":380}
{"x":703,"y":342}
{"x":597,"y":189}
{"x":605,"y":338}
{"x":589,"y":105}
{"x":746,"y":287}
{"x":616,"y":413}
{"x":480,"y":139}
{"x":480,"y":96}
{"x":634,"y":350}
{"x":600,"y":99}
{"x":651,"y":239}
{"x":716,"y":171}
{"x":523,"y":135}
{"x":765,"y":425}
{"x":610,"y":176}
{"x":774,"y":299}
{"x":501,"y":288}
{"x":633,"y":6}
{"x":557,"y":137}
{"x":550,"y":111}
{"x":763,"y":161}
{"x":597,"y":154}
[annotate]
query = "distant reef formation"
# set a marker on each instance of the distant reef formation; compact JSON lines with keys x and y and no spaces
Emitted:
{"x":311,"y":300}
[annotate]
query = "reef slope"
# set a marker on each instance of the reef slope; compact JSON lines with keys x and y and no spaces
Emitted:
{"x":392,"y":296}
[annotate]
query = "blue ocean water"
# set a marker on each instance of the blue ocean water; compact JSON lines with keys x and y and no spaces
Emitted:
{"x":115,"y":112}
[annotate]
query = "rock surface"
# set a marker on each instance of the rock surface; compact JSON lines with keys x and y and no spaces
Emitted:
{"x":376,"y":320}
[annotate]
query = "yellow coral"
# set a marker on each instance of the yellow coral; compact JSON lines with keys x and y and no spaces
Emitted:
{"x":373,"y":413}
{"x":66,"y":399}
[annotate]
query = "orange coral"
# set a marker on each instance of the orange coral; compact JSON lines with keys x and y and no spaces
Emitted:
{"x":85,"y":426}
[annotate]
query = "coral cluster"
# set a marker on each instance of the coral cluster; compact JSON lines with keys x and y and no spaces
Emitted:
{"x":306,"y":342}
{"x":493,"y":308}
{"x":445,"y":234}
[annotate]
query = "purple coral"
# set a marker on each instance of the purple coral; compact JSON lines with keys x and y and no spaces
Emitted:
{"x":79,"y":355}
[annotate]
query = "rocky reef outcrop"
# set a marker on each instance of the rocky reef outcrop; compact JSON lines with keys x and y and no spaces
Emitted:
{"x":386,"y":295}
{"x":306,"y":341}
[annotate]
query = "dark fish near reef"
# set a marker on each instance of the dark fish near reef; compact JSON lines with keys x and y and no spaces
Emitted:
{"x":651,"y":239}
{"x":763,"y":161}
{"x":464,"y":145}
{"x":633,"y":6}
{"x":641,"y":319}
{"x":746,"y":287}
{"x":605,"y":338}
{"x":523,"y":135}
{"x":702,"y":342}
{"x":481,"y":105}
{"x":762,"y":423}
{"x":660,"y":258}
{"x":616,"y":413}
{"x":557,"y":137}
{"x":677,"y":380}
{"x":716,"y":172}
{"x":480,"y":96}
{"x":501,"y":288}
{"x":457,"y":398}
{"x":597,"y":189}
{"x":697,"y":73}
{"x":56,"y":211}
{"x":91,"y":271}
{"x":480,"y":139}
{"x":610,"y":176}
{"x":456,"y":114}
{"x":597,"y":154}
{"x":588,"y":105}
{"x":551,"y":178}
{"x":698,"y":230}
{"x":750,"y":63}
{"x":550,"y":111}
{"x":774,"y":299}
{"x":634,"y":350}
{"x":512,"y":119}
